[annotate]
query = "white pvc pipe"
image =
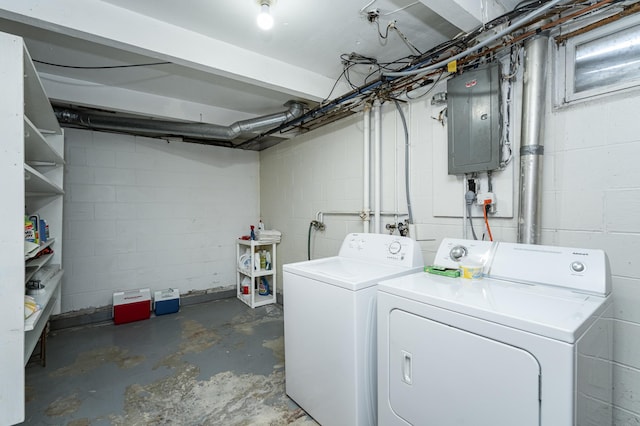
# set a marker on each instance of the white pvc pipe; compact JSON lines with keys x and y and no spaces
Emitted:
{"x":377,"y":172}
{"x":366,"y":168}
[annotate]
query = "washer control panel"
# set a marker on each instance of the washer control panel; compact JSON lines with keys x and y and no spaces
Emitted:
{"x":383,"y":248}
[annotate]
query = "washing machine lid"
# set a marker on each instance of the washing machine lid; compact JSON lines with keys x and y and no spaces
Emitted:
{"x":547,"y":311}
{"x":348,"y":273}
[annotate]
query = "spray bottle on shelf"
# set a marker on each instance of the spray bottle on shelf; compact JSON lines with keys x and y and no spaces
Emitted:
{"x":253,"y":234}
{"x":260,"y":228}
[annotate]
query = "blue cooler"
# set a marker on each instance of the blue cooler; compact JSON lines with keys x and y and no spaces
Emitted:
{"x":166,"y":301}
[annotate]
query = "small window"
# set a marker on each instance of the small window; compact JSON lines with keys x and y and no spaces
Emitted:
{"x":600,"y":62}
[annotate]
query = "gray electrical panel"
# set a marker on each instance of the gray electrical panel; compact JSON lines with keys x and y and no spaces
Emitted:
{"x":474,"y":122}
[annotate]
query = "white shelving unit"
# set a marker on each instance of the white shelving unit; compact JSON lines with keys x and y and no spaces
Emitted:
{"x":249,"y":272}
{"x":32,"y":172}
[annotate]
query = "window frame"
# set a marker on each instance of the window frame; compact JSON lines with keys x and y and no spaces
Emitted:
{"x":565,"y":66}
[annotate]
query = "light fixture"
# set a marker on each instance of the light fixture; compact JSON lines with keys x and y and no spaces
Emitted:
{"x":265,"y":20}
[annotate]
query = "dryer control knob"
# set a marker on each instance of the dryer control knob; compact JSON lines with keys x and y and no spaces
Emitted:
{"x":395,"y":247}
{"x":457,"y":253}
{"x":577,"y":266}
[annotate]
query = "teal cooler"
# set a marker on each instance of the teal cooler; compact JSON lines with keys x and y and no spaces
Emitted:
{"x":166,"y":301}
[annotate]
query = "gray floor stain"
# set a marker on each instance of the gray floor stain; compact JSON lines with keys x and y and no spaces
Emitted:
{"x":218,"y":363}
{"x":79,"y":422}
{"x":63,"y":406}
{"x":91,"y":360}
{"x":277,"y":346}
{"x":247,"y":322}
{"x":225,"y":398}
{"x":196,"y":338}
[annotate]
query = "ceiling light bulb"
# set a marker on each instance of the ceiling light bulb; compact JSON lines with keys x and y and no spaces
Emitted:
{"x":265,"y":20}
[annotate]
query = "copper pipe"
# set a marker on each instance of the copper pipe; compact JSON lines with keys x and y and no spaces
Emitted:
{"x":630,"y":10}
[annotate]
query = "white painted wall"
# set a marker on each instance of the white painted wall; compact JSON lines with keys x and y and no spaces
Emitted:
{"x":142,"y":212}
{"x":591,"y":186}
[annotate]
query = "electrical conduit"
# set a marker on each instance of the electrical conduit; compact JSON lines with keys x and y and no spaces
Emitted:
{"x":406,"y":160}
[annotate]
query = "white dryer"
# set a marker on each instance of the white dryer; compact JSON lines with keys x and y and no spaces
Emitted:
{"x":330,"y":326}
{"x":529,"y":344}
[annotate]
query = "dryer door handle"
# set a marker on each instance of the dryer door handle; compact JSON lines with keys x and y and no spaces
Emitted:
{"x":406,"y":367}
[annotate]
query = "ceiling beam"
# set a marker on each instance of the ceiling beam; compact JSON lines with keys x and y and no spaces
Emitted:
{"x":469,"y":14}
{"x":82,"y":93}
{"x":120,"y":28}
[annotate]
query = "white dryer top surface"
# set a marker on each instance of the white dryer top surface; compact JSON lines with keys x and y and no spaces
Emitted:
{"x":557,"y":313}
{"x":352,"y":274}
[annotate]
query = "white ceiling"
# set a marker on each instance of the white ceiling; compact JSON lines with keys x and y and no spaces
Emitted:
{"x":223,"y":68}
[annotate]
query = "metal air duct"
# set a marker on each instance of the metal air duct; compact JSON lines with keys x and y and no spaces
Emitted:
{"x":203,"y":131}
{"x":532,"y":143}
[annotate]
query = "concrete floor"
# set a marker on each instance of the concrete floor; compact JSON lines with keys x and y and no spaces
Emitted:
{"x":216,"y":363}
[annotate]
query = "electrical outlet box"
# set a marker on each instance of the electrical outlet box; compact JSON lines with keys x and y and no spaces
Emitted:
{"x":487,"y":198}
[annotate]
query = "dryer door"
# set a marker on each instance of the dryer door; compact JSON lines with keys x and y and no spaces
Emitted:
{"x":441,"y":375}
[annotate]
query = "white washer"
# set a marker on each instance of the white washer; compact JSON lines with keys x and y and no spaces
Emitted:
{"x":330,"y":326}
{"x":530,"y":344}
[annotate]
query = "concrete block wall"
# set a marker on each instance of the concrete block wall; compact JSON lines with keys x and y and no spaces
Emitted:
{"x":141,"y":212}
{"x":591,"y":199}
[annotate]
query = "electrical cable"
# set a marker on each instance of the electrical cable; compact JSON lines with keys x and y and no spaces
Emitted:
{"x":101,"y":67}
{"x":535,"y":13}
{"x":366,"y":6}
{"x":469,"y":197}
{"x":334,"y":109}
{"x":486,"y":220}
{"x":433,"y":85}
{"x":386,"y":33}
{"x":473,"y":232}
{"x":405,"y":39}
{"x":334,"y":87}
{"x":406,"y":159}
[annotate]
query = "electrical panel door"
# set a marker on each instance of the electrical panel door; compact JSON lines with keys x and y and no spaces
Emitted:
{"x":474,"y":122}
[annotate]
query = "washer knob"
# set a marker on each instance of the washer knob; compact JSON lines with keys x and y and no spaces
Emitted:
{"x":577,"y":266}
{"x":395,"y":247}
{"x":457,"y":253}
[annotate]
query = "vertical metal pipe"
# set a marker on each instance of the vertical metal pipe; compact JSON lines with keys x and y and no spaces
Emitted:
{"x":531,"y":142}
{"x":377,"y":165}
{"x":366,"y":168}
